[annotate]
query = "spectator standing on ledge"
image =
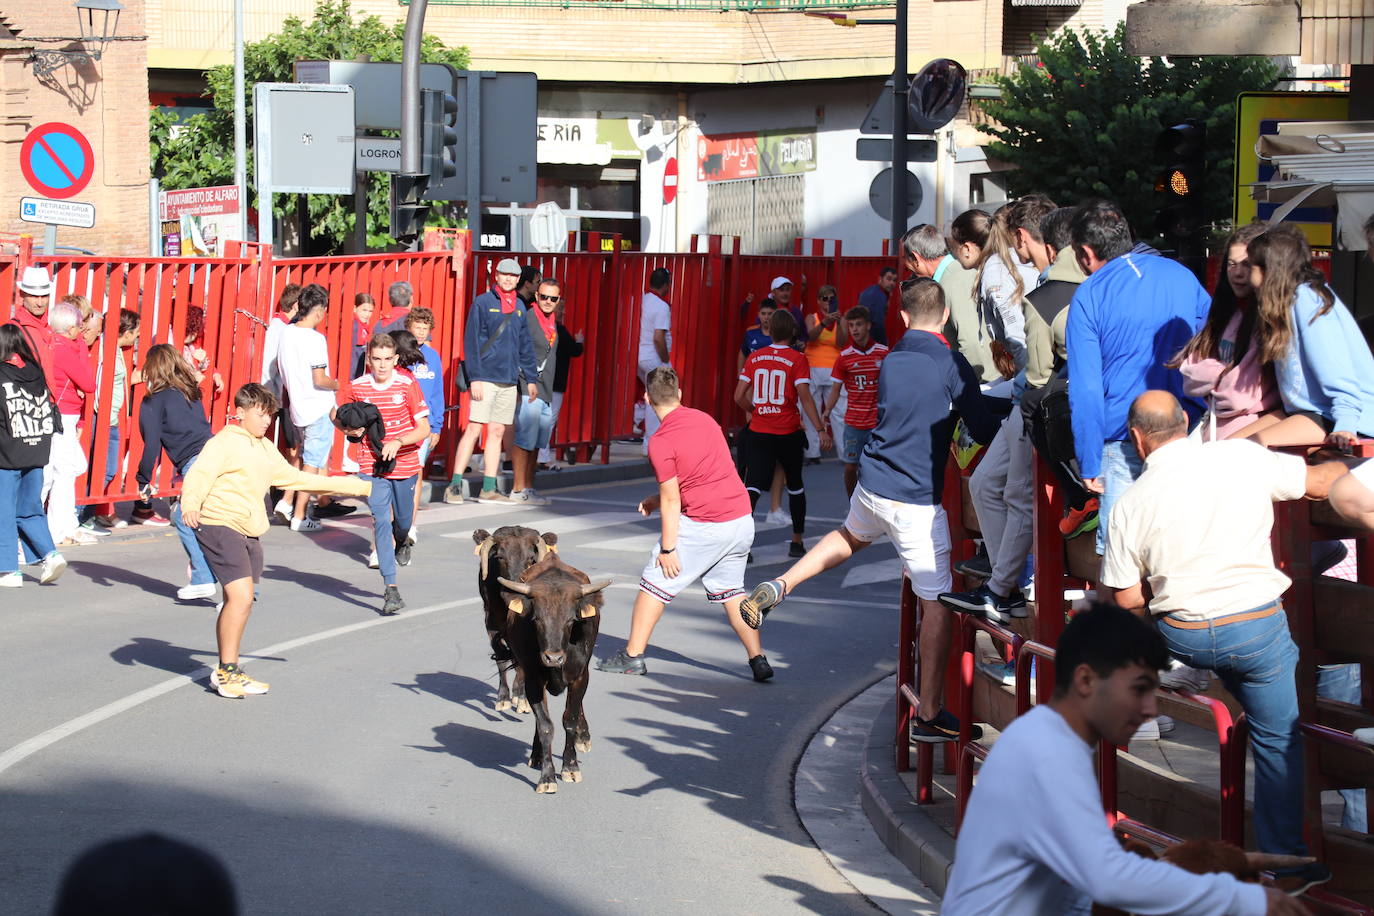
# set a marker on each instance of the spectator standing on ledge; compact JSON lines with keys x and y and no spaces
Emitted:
{"x":707,"y":527}
{"x":1194,"y":528}
{"x":496,"y":349}
{"x":875,"y":298}
{"x":655,"y":336}
{"x":1131,"y":316}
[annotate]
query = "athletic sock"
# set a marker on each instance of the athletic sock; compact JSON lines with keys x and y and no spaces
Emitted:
{"x":457,"y":480}
{"x":228,"y":666}
{"x":488,"y":484}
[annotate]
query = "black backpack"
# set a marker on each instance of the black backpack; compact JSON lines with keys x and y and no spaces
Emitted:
{"x":1050,"y":428}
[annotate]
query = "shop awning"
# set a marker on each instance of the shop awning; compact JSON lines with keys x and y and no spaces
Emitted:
{"x":1322,"y":164}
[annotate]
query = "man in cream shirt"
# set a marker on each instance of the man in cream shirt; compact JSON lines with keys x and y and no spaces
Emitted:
{"x":1193,"y":530}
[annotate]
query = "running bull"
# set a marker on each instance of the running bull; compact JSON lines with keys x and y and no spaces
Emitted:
{"x":508,"y":552}
{"x":554,"y":617}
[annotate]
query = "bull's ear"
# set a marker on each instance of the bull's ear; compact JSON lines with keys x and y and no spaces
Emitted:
{"x":550,"y":538}
{"x":480,"y":535}
{"x":517,"y":606}
{"x":587,"y":609}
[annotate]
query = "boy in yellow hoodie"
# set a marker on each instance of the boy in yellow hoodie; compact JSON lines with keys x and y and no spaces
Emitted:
{"x":223,"y":499}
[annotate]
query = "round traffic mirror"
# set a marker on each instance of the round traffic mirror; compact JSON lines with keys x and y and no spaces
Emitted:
{"x":936,"y":95}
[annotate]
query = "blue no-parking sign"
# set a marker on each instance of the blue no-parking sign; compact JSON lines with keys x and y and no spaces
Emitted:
{"x":57,"y":160}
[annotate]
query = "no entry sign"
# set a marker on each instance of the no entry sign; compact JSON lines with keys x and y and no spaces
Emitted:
{"x":57,"y":160}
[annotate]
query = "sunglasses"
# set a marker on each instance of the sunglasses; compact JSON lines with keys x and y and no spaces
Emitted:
{"x":826,"y":298}
{"x":553,"y":299}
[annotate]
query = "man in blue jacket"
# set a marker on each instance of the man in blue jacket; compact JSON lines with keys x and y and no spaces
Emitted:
{"x":496,"y":350}
{"x":922,"y":389}
{"x":1130,"y":317}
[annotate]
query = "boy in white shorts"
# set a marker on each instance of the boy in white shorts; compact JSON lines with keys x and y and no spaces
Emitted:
{"x":901,"y":479}
{"x":707,"y":526}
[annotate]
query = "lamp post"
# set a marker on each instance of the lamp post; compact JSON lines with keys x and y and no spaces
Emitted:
{"x":97,"y":22}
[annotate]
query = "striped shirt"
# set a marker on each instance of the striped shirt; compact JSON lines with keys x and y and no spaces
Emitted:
{"x":857,"y":370}
{"x":400,"y":403}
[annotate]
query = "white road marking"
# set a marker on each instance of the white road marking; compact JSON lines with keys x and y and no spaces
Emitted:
{"x":889,"y":570}
{"x":26,"y":749}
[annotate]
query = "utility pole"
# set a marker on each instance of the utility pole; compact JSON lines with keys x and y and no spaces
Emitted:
{"x":410,"y":87}
{"x":900,"y":86}
{"x":240,"y":128}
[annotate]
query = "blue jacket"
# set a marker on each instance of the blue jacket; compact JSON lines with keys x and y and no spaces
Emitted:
{"x":429,"y":375}
{"x":920,"y":387}
{"x":1125,"y":322}
{"x":875,"y":300}
{"x":1328,"y":368}
{"x":510,"y":355}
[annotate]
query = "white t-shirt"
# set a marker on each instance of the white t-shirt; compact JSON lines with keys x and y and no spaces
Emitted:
{"x":654,"y":316}
{"x":300,"y":352}
{"x":1196,"y":526}
{"x":1035,"y":841}
{"x":271,"y":346}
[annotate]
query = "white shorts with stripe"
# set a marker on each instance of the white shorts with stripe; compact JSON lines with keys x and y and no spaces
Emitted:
{"x":714,"y":552}
{"x":920,"y":534}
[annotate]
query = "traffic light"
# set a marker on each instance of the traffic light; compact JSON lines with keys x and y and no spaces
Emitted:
{"x":439,"y":132}
{"x":1181,"y":156}
{"x":408,"y":212}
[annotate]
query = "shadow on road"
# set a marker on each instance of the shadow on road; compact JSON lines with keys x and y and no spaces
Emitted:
{"x":468,"y":692}
{"x":319,"y":583}
{"x":105,"y":575}
{"x":487,"y":748}
{"x":284,"y":846}
{"x":159,"y":653}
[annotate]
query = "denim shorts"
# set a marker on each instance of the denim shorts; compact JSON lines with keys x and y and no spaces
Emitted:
{"x":533,"y":423}
{"x":854,"y":441}
{"x":317,"y":440}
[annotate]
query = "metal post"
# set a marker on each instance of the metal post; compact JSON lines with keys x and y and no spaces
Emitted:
{"x":410,"y":87}
{"x":361,"y":198}
{"x":49,"y":239}
{"x":262,"y":165}
{"x":899,"y":107}
{"x":474,"y":144}
{"x":240,"y":127}
{"x":154,"y":219}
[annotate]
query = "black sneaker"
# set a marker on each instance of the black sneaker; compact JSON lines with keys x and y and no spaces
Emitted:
{"x":623,"y":663}
{"x":796,"y":549}
{"x":944,"y":727}
{"x":392,"y":601}
{"x":334,"y":510}
{"x":985,"y":603}
{"x":762,"y":670}
{"x":978,"y":566}
{"x":403,"y":554}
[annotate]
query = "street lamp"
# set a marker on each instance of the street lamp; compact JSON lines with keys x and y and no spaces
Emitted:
{"x":97,"y":20}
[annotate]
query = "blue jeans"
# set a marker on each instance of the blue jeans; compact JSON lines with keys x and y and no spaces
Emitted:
{"x":1255,"y":660}
{"x":1342,"y":682}
{"x":22,"y":518}
{"x":393,"y":512}
{"x":1121,"y":465}
{"x":200,"y":570}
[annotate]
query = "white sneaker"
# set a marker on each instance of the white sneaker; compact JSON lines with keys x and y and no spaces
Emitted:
{"x":413,"y":536}
{"x":1153,"y":728}
{"x":305,"y":524}
{"x":285,"y":508}
{"x":1184,"y":679}
{"x":54,"y":564}
{"x":12,"y":580}
{"x":529,"y":497}
{"x":81,"y":538}
{"x":195,"y":592}
{"x":778,"y":517}
{"x":372,"y":561}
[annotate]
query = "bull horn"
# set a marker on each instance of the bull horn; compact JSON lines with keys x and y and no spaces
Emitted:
{"x":519,"y":588}
{"x":1270,"y":861}
{"x":542,"y":550}
{"x":591,"y":588}
{"x":484,"y":551}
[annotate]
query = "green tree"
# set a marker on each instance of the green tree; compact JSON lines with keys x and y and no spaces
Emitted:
{"x":1082,"y":121}
{"x":199,"y":151}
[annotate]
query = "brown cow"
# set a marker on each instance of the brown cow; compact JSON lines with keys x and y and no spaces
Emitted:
{"x":555,"y":615}
{"x":508,"y":552}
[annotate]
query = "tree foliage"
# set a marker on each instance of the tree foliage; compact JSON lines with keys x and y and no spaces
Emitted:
{"x":1083,"y":121}
{"x":199,"y":151}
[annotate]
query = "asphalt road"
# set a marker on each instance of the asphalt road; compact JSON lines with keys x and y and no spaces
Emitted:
{"x":376,"y":776}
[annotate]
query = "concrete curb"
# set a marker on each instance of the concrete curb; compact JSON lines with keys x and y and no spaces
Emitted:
{"x":577,"y":475}
{"x":913,"y":838}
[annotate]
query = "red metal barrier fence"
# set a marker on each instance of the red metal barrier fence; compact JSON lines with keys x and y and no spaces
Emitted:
{"x":602,"y":290}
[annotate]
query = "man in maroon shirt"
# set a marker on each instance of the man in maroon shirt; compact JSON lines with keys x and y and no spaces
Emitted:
{"x":708,"y":528}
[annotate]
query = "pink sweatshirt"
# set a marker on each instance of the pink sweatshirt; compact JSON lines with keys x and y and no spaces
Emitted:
{"x":1236,"y":394}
